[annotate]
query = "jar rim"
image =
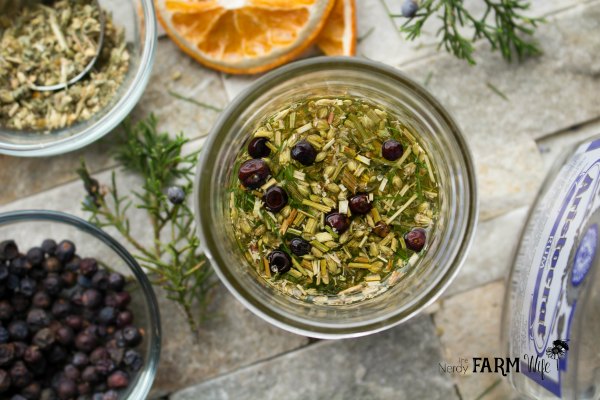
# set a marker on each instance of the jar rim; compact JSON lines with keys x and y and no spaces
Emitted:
{"x":216,"y":141}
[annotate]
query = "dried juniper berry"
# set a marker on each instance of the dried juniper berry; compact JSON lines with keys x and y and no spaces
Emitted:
{"x":4,"y":381}
{"x":176,"y":195}
{"x":338,"y":222}
{"x":49,"y":246}
{"x":20,"y":266}
{"x":53,"y":284}
{"x":57,"y":354}
{"x":89,"y":374}
{"x":299,"y":246}
{"x":61,"y":308}
{"x":32,"y":391}
{"x":116,"y":281}
{"x":18,"y":330}
{"x":360,"y":204}
{"x":36,"y":255}
{"x":66,"y":389}
{"x":118,"y":300}
{"x":74,"y":321}
{"x":275,"y":198}
{"x":279,"y":262}
{"x":20,"y":375}
{"x":20,"y":302}
{"x":257,"y":148}
{"x":107,"y":316}
{"x":65,"y":251}
{"x":118,"y":380}
{"x":71,"y":372}
{"x":91,"y":298}
{"x":64,"y":335}
{"x":391,"y":150}
{"x":100,"y":280}
{"x":44,"y":339}
{"x":4,"y":272}
{"x":416,"y":239}
{"x":124,"y":318}
{"x":13,"y":282}
{"x":304,"y":153}
{"x":33,"y":355}
{"x":409,"y":8}
{"x":7,"y":354}
{"x":27,"y":286}
{"x":51,"y":264}
{"x":6,"y":310}
{"x":111,"y":395}
{"x":4,"y":335}
{"x":86,"y":342}
{"x":105,"y":366}
{"x":68,"y":279}
{"x":254,"y":173}
{"x":133,"y":360}
{"x":80,"y":359}
{"x":37,"y":319}
{"x":8,"y":250}
{"x":381,"y":229}
{"x":88,"y":267}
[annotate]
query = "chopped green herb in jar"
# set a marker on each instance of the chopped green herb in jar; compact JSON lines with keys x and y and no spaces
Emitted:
{"x":43,"y":45}
{"x":333,"y":197}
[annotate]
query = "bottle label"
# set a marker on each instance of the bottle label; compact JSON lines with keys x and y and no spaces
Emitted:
{"x":556,"y":255}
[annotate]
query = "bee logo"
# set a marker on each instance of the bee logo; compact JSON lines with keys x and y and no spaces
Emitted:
{"x":558,"y":349}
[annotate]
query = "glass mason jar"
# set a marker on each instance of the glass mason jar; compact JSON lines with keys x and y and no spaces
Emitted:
{"x":439,"y":135}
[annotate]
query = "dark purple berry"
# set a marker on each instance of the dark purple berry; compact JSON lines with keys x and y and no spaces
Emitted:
{"x":338,"y":222}
{"x":84,"y":389}
{"x":51,"y":264}
{"x":36,"y":255}
{"x":91,"y":298}
{"x":84,"y":281}
{"x":4,"y":272}
{"x":33,"y":355}
{"x":53,"y":284}
{"x":116,"y":354}
{"x":116,"y":281}
{"x":391,"y":150}
{"x":275,"y":198}
{"x":44,"y":339}
{"x":415,"y":239}
{"x":8,"y":250}
{"x":74,"y":264}
{"x":13,"y":282}
{"x":409,"y":8}
{"x":27,"y":286}
{"x":100,"y":280}
{"x":4,"y":381}
{"x":61,"y":308}
{"x":20,"y":266}
{"x":279,"y":262}
{"x":132,"y":335}
{"x":118,"y":380}
{"x":32,"y":391}
{"x":20,"y":349}
{"x":299,"y":246}
{"x":48,"y":394}
{"x":124,"y":318}
{"x":71,"y":372}
{"x":88,"y":267}
{"x":176,"y":194}
{"x":66,"y":389}
{"x":107,"y":316}
{"x":6,"y":310}
{"x":381,"y":229}
{"x":98,"y":354}
{"x":18,"y":330}
{"x":7,"y":354}
{"x":304,"y":153}
{"x":41,"y":300}
{"x":80,"y":359}
{"x":64,"y":335}
{"x":20,"y":375}
{"x":90,"y":374}
{"x":257,"y":148}
{"x":105,"y":366}
{"x":37,"y":319}
{"x":360,"y":204}
{"x":68,"y":279}
{"x":254,"y":173}
{"x":57,"y":354}
{"x":133,"y":360}
{"x":49,"y":246}
{"x":65,"y":251}
{"x":74,"y":322}
{"x":118,"y":300}
{"x":20,"y":302}
{"x":111,"y":395}
{"x":4,"y":335}
{"x":86,"y":342}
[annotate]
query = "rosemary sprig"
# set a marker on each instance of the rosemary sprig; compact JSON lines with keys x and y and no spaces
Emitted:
{"x":174,"y":260}
{"x":502,"y":24}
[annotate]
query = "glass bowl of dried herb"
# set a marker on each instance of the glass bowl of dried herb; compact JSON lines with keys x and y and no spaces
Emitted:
{"x":79,"y":307}
{"x":44,"y":44}
{"x":336,"y":197}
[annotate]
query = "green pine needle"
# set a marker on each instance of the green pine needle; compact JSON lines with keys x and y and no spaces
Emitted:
{"x":174,"y":260}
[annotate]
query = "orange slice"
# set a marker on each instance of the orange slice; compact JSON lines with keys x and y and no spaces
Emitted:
{"x":243,"y":36}
{"x":338,"y":37}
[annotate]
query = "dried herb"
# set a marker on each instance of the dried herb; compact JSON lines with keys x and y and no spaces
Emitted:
{"x":174,"y":258}
{"x":356,"y":181}
{"x":502,"y":24}
{"x":49,"y":44}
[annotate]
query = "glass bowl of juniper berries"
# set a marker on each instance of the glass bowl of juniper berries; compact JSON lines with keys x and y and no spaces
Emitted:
{"x":78,"y":316}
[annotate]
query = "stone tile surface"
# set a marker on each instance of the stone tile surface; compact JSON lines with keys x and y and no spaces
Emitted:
{"x":401,"y":363}
{"x":469,"y":326}
{"x":492,"y":251}
{"x":33,"y":175}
